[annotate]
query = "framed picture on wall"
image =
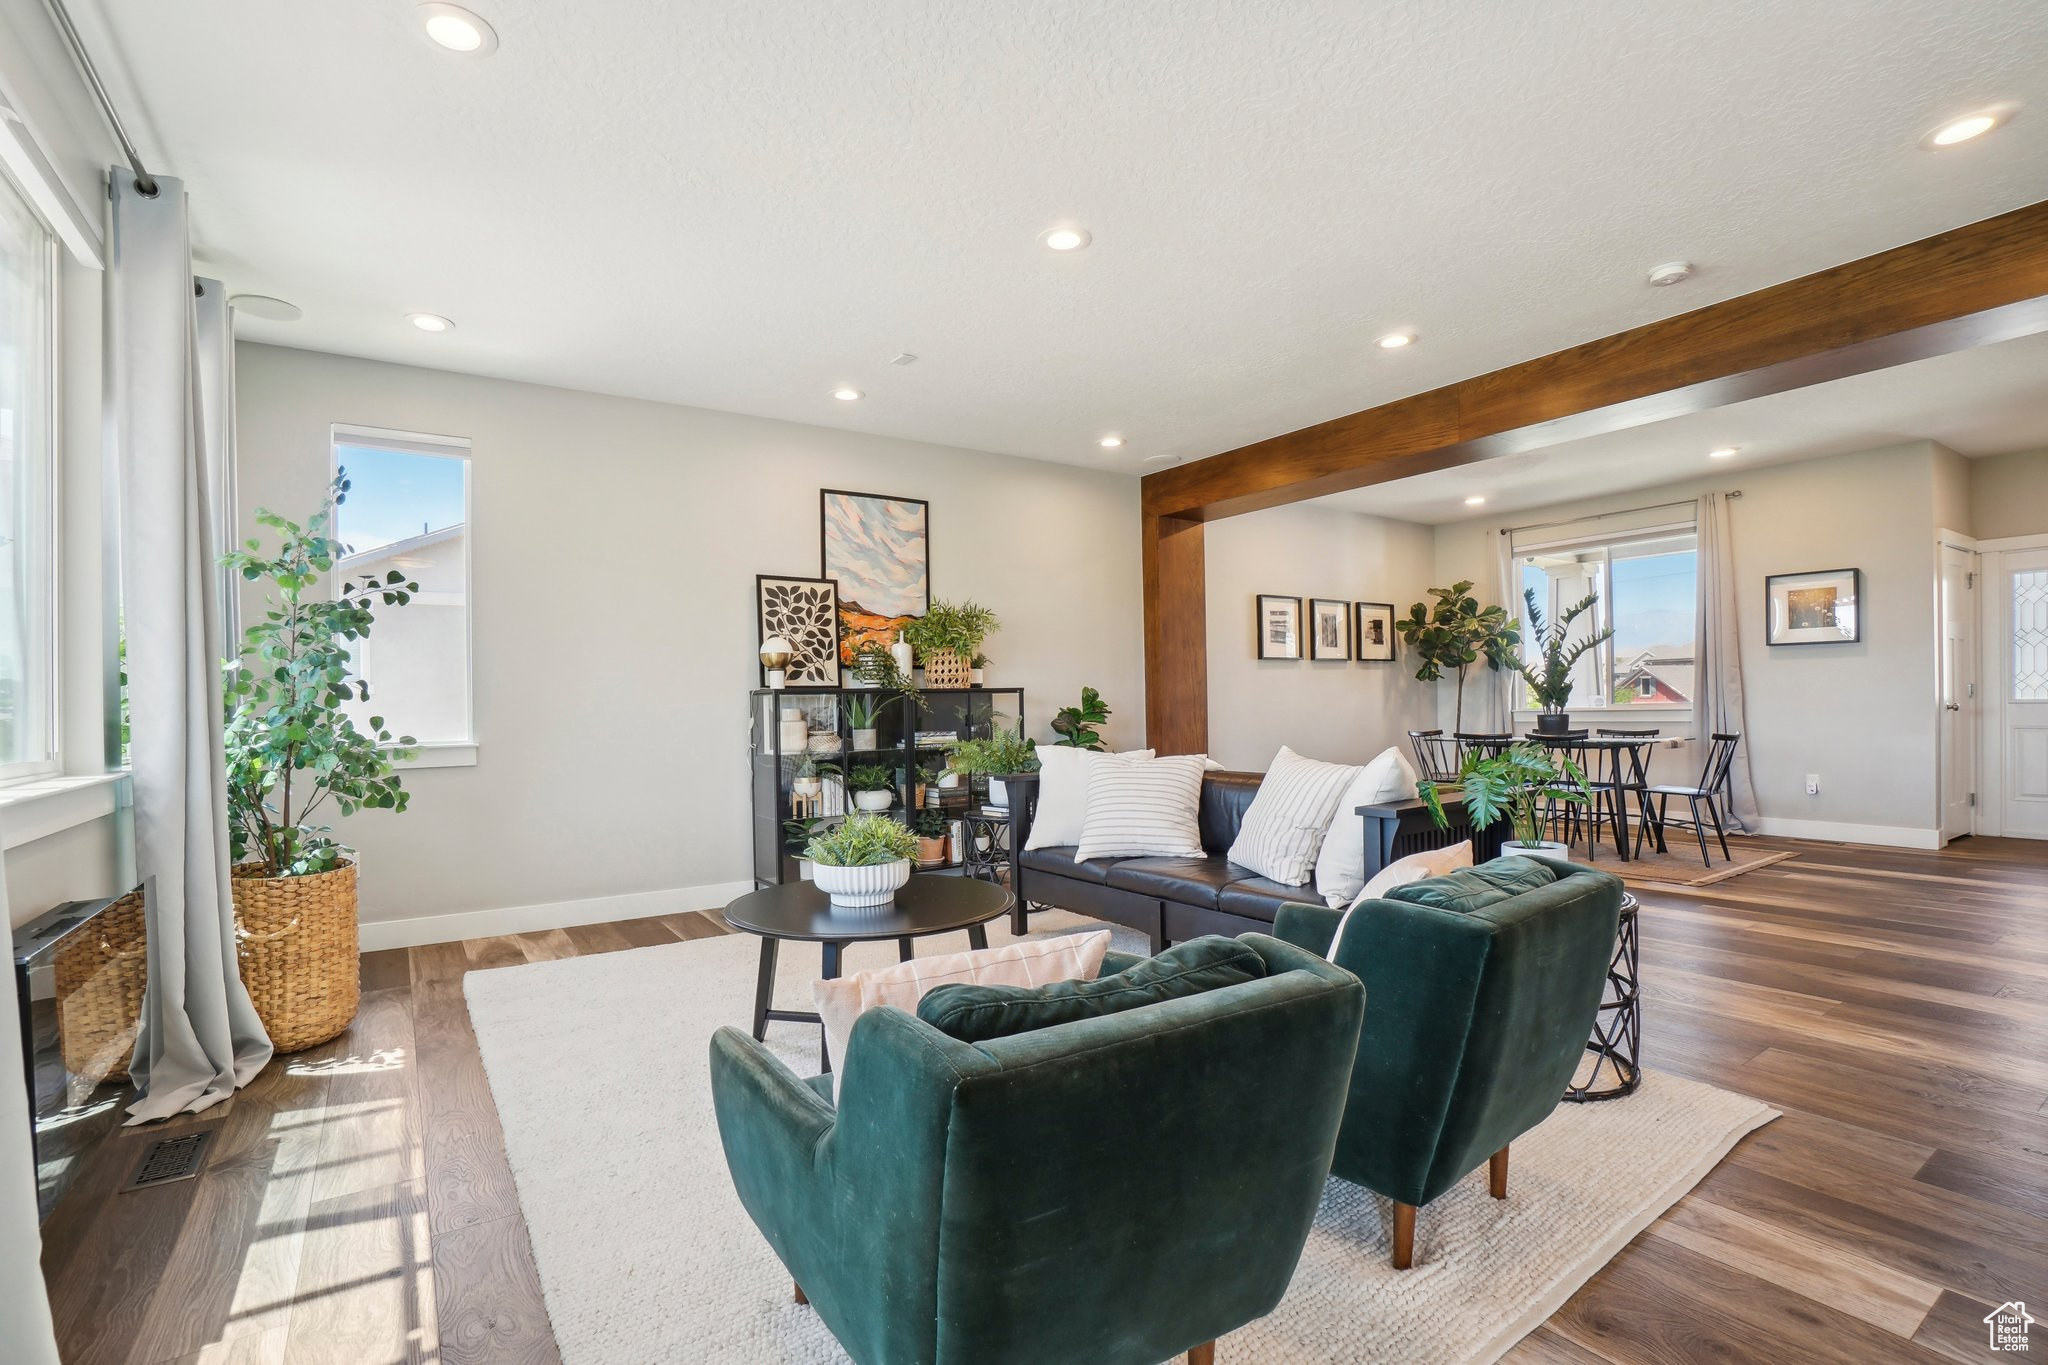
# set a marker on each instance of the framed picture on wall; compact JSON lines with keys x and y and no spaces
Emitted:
{"x":1329,"y":629}
{"x":805,"y":612}
{"x":1279,"y":627}
{"x":1818,"y":608}
{"x":1375,"y":632}
{"x":877,"y":549}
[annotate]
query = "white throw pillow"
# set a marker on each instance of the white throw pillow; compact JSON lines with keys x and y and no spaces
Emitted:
{"x":1340,"y":862}
{"x":1415,"y":867}
{"x":1287,"y":819}
{"x":1063,"y":793}
{"x":1148,"y":808}
{"x":1032,"y":962}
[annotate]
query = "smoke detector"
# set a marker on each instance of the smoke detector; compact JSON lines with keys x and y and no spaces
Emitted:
{"x":1670,"y":273}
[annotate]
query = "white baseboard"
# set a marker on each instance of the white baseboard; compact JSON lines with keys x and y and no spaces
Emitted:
{"x":1832,"y":831}
{"x":525,"y":919}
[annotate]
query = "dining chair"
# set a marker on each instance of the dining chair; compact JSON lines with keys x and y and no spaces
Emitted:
{"x":1614,"y":775}
{"x":1474,"y":741}
{"x":1711,"y":791}
{"x":1436,"y":758}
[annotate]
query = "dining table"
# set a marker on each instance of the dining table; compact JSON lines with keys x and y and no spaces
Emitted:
{"x":1627,"y":761}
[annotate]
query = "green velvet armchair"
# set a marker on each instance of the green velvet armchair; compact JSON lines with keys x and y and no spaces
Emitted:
{"x":1478,"y":1022}
{"x":1115,"y":1190}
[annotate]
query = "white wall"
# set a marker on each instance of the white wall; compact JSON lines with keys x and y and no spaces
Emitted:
{"x":1859,"y":715}
{"x":1339,"y":712}
{"x":2009,"y":495}
{"x":614,"y":550}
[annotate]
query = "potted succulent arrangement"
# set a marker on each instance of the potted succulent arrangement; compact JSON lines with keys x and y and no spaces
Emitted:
{"x":930,"y":827}
{"x":1552,"y":687}
{"x":862,"y":861}
{"x":873,"y":786}
{"x":947,"y":637}
{"x":1517,"y":784}
{"x":292,"y":749}
{"x":1075,"y":725}
{"x":1000,"y":755}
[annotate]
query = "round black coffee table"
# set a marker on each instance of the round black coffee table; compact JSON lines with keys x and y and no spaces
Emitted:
{"x":929,"y":903}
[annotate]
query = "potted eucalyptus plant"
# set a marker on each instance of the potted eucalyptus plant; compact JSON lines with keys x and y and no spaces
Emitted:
{"x":295,"y":755}
{"x":1552,"y":686}
{"x":1517,"y":784}
{"x":947,"y":637}
{"x":861,"y":862}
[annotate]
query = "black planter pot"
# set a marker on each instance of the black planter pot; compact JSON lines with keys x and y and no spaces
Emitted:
{"x":1553,"y":723}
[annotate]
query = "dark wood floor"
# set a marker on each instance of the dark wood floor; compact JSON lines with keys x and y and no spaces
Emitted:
{"x":358,"y":1208}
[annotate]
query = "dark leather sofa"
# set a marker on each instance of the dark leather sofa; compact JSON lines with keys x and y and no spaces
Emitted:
{"x":1174,"y":899}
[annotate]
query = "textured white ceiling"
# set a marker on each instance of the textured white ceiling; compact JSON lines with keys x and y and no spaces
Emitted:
{"x":1988,"y":401}
{"x":742,"y":206}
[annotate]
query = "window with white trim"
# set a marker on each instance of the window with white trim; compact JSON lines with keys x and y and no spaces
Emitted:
{"x":1646,"y":578}
{"x":407,"y":512}
{"x":28,"y":505}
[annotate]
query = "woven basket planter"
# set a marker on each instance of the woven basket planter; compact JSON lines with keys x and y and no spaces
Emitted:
{"x":945,"y":668}
{"x":295,"y":938}
{"x":101,"y":975}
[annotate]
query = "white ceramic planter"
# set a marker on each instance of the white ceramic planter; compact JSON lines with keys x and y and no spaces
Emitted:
{"x":805,"y":786}
{"x":974,"y":677}
{"x":1547,"y":849}
{"x":875,"y":802}
{"x":862,"y":888}
{"x":864,"y":739}
{"x":998,"y":793}
{"x":803,"y":869}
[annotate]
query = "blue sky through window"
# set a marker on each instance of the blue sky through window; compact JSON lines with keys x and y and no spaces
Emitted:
{"x":396,"y":494}
{"x":1654,"y":602}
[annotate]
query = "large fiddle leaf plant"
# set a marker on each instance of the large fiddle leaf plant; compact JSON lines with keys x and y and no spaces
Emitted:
{"x":1454,"y":633}
{"x":291,"y":747}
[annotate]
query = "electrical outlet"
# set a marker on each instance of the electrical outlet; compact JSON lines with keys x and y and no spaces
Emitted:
{"x":1813,"y":784}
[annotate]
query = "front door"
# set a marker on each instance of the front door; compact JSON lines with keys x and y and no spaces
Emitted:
{"x":2018,"y":605}
{"x":1958,"y":716}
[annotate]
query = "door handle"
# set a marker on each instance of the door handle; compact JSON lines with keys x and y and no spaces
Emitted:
{"x":1952,"y":706}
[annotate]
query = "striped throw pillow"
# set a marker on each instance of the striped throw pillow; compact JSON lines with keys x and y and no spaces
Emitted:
{"x":1287,"y":820}
{"x":1144,"y":808}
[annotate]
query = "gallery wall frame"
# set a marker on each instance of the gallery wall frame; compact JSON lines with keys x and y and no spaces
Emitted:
{"x":1276,"y":626}
{"x":1329,"y":630}
{"x":1372,"y":632}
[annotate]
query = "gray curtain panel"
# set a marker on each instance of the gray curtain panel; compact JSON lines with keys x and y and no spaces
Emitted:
{"x":1720,"y":667}
{"x":25,"y":1331}
{"x":200,"y":1038}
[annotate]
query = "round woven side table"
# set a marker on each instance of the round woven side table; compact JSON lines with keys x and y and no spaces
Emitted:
{"x":1615,"y":1049}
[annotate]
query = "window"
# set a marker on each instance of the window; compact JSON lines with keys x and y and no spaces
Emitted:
{"x":1647,"y":580}
{"x":28,"y":512}
{"x":408,"y":510}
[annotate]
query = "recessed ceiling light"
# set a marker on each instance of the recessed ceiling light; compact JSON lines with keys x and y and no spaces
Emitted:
{"x":1723,"y":452}
{"x":430,"y":322}
{"x":1969,"y":127}
{"x":1394,"y":341}
{"x":1156,"y":459}
{"x":1110,"y":442}
{"x":458,"y":30}
{"x":265,"y":307}
{"x":847,"y":395}
{"x":1670,"y":273}
{"x":1065,"y":238}
{"x":1475,"y":501}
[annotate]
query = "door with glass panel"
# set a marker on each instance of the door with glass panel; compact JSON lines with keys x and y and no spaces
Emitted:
{"x":2017,"y":745}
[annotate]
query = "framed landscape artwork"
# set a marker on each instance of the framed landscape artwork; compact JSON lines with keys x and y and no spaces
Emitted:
{"x":805,"y":612}
{"x":1279,"y":627}
{"x":1375,"y":632}
{"x":1817,"y":608}
{"x":878,"y":550}
{"x":1329,"y":629}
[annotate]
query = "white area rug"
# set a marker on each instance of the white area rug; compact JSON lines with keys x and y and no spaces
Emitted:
{"x":600,"y":1069}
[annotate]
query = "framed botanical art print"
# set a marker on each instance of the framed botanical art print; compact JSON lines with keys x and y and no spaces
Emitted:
{"x":1375,"y":631}
{"x":805,"y":612}
{"x":1279,"y":627}
{"x":1818,"y":608}
{"x":1329,"y":629}
{"x":878,"y":550}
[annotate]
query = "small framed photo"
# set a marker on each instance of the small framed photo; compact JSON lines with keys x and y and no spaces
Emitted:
{"x":1375,"y":632}
{"x":1818,"y":608}
{"x":1329,"y":629}
{"x":1279,"y":627}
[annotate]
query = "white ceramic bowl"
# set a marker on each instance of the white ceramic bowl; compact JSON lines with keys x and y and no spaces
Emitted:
{"x":861,"y":888}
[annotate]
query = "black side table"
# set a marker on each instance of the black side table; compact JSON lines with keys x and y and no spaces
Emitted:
{"x":1617,"y":1041}
{"x":985,"y":851}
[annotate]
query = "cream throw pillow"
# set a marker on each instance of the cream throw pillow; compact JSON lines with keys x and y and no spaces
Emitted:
{"x":1289,"y":818}
{"x":1147,"y":809}
{"x":1063,"y":793}
{"x":1415,"y":867}
{"x":1340,"y":862}
{"x":1034,"y":962}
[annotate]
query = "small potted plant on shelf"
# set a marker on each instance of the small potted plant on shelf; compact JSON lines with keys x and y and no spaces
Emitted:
{"x":977,"y":670}
{"x":1552,"y":687}
{"x":1517,"y":785}
{"x":930,"y":826}
{"x":800,"y":832}
{"x":873,"y":786}
{"x":947,"y":637}
{"x":861,"y":715}
{"x":863,"y":861}
{"x":999,"y":756}
{"x":1075,"y":725}
{"x":807,"y":774}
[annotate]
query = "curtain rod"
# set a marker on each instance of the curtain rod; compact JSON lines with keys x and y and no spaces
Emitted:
{"x":1618,"y":512}
{"x":145,"y":183}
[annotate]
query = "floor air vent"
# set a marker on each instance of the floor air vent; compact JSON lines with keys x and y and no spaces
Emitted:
{"x":171,"y":1158}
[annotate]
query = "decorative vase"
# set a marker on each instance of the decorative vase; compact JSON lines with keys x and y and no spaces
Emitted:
{"x":796,"y":730}
{"x":862,"y":888}
{"x":874,"y":802}
{"x":904,"y":656}
{"x":998,"y":794}
{"x":1553,"y":723}
{"x":865,"y":739}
